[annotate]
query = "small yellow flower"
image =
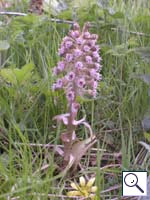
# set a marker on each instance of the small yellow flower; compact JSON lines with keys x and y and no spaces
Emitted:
{"x":83,"y":189}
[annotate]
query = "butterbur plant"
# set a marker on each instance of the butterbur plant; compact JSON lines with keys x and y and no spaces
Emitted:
{"x":78,"y":74}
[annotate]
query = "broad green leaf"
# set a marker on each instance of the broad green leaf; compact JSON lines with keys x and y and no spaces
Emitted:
{"x":17,"y":76}
{"x":8,"y":75}
{"x":4,"y":45}
{"x":25,"y":72}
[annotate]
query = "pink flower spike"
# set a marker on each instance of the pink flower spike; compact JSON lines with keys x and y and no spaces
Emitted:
{"x":62,"y":118}
{"x":80,"y":65}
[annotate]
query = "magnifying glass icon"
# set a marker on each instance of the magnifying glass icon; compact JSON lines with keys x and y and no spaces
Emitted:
{"x":131,"y":180}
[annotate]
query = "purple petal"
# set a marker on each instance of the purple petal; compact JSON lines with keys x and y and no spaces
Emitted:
{"x":70,"y":96}
{"x":70,"y":76}
{"x":69,"y":57}
{"x":68,"y":44}
{"x":76,"y":26}
{"x":86,"y":48}
{"x":81,"y":82}
{"x":61,"y":51}
{"x":77,"y":52}
{"x":79,"y":65}
{"x":86,"y":35}
{"x":88,"y":59}
{"x":79,"y":41}
{"x":75,"y":34}
{"x":76,"y":123}
{"x":61,"y":65}
{"x":62,"y":117}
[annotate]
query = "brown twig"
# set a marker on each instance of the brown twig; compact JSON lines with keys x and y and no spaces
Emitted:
{"x":131,"y":32}
{"x":12,"y":13}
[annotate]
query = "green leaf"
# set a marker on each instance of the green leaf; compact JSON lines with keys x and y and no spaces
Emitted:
{"x":8,"y":75}
{"x":25,"y":72}
{"x":4,"y":45}
{"x":17,"y":76}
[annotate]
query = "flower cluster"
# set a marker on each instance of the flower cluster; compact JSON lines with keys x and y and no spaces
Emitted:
{"x":79,"y":73}
{"x":83,"y":189}
{"x":80,"y":65}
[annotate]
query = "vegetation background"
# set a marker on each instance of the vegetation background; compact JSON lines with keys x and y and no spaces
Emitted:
{"x":28,"y":52}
